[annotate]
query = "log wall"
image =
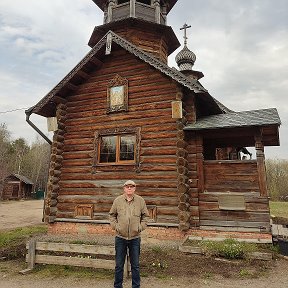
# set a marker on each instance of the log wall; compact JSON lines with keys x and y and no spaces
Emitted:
{"x":149,"y":41}
{"x":149,"y":108}
{"x":233,"y":178}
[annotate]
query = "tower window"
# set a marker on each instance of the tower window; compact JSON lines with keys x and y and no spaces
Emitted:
{"x":147,"y":2}
{"x":123,"y":1}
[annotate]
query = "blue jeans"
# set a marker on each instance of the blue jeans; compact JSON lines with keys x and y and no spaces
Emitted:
{"x":121,"y":246}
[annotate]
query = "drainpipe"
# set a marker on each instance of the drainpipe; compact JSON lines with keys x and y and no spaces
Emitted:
{"x":28,"y":114}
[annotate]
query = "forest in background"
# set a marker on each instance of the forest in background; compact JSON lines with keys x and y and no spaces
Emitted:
{"x":18,"y":157}
{"x":32,"y":161}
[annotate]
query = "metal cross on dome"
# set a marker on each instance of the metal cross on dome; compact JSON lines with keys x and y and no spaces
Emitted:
{"x":185,"y":27}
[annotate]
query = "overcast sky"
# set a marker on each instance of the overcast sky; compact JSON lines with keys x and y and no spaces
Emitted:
{"x":241,"y":47}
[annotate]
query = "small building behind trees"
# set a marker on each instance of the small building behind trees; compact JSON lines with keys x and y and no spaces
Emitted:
{"x":16,"y":187}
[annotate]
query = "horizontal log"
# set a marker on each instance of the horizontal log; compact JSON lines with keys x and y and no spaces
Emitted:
{"x":155,"y":167}
{"x":158,"y":135}
{"x":213,"y":206}
{"x":73,"y":163}
{"x":230,"y":229}
{"x":248,"y":196}
{"x":89,"y":189}
{"x":235,"y":215}
{"x":75,"y":135}
{"x":109,"y":182}
{"x":80,"y":140}
{"x":160,"y":176}
{"x":231,"y":223}
{"x":75,"y":248}
{"x":111,"y":124}
{"x":108,"y":199}
{"x":54,"y":172}
{"x":78,"y":155}
{"x":154,"y":128}
{"x":56,"y":158}
{"x":75,"y":261}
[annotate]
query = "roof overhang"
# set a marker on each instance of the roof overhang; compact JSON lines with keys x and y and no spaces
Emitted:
{"x":47,"y":105}
{"x":166,"y":31}
{"x":239,"y":127}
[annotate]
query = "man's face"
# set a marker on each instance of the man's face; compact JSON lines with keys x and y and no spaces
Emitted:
{"x":129,"y":190}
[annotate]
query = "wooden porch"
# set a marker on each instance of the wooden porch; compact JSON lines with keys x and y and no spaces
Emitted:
{"x":231,"y":197}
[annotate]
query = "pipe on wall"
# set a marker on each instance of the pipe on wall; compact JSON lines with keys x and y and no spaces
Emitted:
{"x":28,"y":114}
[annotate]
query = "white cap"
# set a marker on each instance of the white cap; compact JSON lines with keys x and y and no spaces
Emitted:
{"x":129,"y":182}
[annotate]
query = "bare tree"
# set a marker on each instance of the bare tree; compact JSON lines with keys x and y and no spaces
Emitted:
{"x":277,"y":179}
{"x":4,"y":150}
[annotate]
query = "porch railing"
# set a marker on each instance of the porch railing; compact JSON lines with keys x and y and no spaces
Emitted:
{"x":230,"y":175}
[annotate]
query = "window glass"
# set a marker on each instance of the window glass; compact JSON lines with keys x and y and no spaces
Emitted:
{"x":148,"y":2}
{"x":108,"y":149}
{"x":127,"y":147}
{"x":123,"y":1}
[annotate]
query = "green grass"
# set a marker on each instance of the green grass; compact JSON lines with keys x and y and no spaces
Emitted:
{"x":77,"y":272}
{"x":229,"y":248}
{"x":279,"y":209}
{"x":16,"y":236}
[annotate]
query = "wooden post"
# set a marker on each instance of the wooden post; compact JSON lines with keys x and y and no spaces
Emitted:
{"x":261,"y":165}
{"x":30,"y":256}
{"x":200,"y":168}
{"x":132,"y":8}
{"x":156,"y":4}
{"x":110,"y":10}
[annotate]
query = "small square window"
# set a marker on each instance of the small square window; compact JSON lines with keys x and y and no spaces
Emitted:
{"x":117,"y":146}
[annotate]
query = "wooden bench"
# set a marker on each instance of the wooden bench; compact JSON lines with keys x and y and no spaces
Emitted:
{"x":87,"y":258}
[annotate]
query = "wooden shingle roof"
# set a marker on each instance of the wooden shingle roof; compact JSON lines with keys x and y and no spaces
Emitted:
{"x":23,"y":179}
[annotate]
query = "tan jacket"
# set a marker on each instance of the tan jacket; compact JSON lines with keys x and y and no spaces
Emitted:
{"x":128,"y":219}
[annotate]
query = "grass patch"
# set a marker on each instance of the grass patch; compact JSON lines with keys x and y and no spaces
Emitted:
{"x":279,"y":209}
{"x":77,"y":272}
{"x":244,"y":273}
{"x":85,"y":242}
{"x":228,"y":249}
{"x":16,"y":236}
{"x":13,"y":242}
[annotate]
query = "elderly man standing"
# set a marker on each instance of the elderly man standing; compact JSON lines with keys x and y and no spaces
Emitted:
{"x":128,"y":217}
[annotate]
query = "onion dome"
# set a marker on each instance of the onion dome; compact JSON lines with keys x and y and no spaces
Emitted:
{"x":185,"y":59}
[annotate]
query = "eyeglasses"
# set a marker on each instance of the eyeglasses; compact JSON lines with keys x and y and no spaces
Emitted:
{"x":130,"y":186}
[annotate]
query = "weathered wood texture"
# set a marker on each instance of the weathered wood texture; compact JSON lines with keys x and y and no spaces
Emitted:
{"x":149,"y":108}
{"x":91,"y":255}
{"x":233,"y":176}
{"x":56,"y":158}
{"x":228,"y":178}
{"x":150,"y":41}
{"x":14,"y":188}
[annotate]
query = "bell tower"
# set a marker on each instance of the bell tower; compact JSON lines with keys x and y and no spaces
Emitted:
{"x":142,"y":22}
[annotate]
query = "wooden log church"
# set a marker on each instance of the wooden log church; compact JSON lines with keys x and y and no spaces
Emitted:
{"x":123,"y":113}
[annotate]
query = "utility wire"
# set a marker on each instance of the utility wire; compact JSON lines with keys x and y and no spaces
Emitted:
{"x":9,"y":111}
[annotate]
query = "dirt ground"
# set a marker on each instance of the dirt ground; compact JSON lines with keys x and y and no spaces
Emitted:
{"x":14,"y":214}
{"x":184,"y":270}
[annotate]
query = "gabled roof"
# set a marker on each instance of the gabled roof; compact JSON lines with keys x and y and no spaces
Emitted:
{"x":46,"y":106}
{"x":22,"y":178}
{"x":251,"y":118}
